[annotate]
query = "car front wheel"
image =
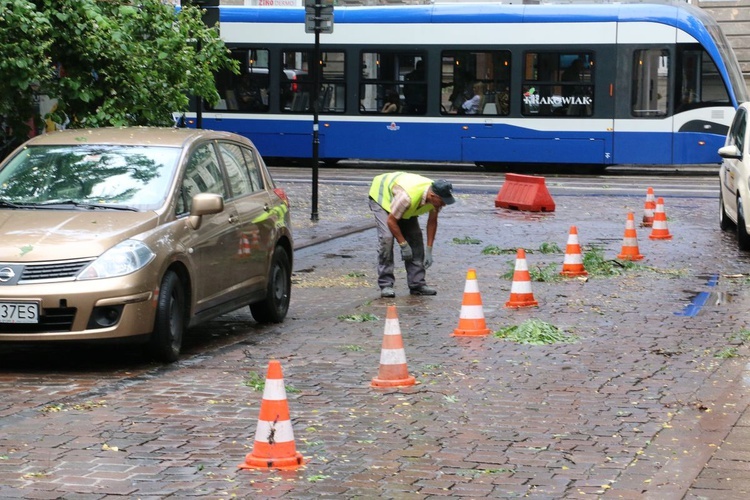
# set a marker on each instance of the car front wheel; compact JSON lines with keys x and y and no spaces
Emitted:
{"x":274,"y":307}
{"x":743,"y":239}
{"x":169,"y":326}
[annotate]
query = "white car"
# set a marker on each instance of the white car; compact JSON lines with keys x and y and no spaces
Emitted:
{"x":734,"y":179}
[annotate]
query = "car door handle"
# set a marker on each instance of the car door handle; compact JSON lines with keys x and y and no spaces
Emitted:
{"x":233,"y":218}
{"x":266,"y":207}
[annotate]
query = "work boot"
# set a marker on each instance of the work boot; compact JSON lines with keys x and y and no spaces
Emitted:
{"x":423,"y":290}
{"x":387,"y":292}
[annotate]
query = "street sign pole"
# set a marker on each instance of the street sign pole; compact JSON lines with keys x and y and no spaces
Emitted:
{"x":210,"y":17}
{"x":316,"y":137}
{"x":318,"y":19}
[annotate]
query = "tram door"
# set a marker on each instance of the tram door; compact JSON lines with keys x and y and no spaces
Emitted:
{"x":643,"y":121}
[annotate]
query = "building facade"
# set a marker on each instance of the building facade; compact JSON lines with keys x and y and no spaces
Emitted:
{"x":734,"y":19}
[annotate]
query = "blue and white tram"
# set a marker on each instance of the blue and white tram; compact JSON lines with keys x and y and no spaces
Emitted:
{"x":595,"y":84}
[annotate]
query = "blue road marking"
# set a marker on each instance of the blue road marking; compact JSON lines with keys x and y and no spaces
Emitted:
{"x":699,"y":300}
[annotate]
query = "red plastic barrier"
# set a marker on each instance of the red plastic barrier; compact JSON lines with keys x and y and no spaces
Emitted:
{"x":525,"y":192}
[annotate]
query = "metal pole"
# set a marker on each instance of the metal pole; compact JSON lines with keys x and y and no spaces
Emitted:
{"x":314,"y":94}
{"x":199,"y":99}
{"x":199,"y":113}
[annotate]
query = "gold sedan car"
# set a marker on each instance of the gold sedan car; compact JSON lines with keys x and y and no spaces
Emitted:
{"x":138,"y":233}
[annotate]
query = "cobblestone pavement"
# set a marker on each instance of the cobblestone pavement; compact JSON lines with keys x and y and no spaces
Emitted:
{"x":648,"y":402}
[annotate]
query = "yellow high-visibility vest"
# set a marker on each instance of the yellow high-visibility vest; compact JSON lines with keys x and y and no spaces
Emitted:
{"x":415,"y":185}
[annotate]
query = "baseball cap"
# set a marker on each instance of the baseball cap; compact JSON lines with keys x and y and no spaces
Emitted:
{"x":444,"y":189}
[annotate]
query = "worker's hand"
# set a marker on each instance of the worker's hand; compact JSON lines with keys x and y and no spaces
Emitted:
{"x":428,"y":257}
{"x":406,"y":253}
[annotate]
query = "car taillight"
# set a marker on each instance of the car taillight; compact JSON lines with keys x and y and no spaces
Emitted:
{"x":282,"y":194}
{"x":294,"y":83}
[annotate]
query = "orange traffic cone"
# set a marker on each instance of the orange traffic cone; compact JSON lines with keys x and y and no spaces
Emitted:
{"x":274,"y":439}
{"x":630,"y":241}
{"x":573,"y":262}
{"x":659,"y":230}
{"x":253,"y":239}
{"x":393,"y":371}
{"x":520,"y":289}
{"x":648,"y":208}
{"x":244,"y":249}
{"x":471,"y":320}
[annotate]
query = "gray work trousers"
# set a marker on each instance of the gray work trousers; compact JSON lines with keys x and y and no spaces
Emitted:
{"x":415,"y":272}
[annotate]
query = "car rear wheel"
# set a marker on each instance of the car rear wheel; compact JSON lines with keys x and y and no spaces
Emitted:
{"x":743,"y":239}
{"x":169,"y":326}
{"x":274,"y":307}
{"x":725,"y":223}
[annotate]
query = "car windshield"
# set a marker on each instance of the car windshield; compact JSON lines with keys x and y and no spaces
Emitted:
{"x":89,"y":175}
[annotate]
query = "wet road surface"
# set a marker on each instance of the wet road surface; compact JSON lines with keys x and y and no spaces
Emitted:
{"x":648,"y":402}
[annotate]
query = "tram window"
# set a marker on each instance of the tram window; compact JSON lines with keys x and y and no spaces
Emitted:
{"x":399,"y":76}
{"x":558,"y":84}
{"x":650,"y":89}
{"x":699,"y":82}
{"x":247,"y":91}
{"x":296,"y":82}
{"x":463,"y":71}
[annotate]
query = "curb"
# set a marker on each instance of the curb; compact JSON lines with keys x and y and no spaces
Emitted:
{"x":315,"y":239}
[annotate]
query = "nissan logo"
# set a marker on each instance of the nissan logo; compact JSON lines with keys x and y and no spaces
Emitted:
{"x":6,"y":274}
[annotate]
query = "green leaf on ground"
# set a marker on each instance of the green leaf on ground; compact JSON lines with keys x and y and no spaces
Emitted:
{"x":535,"y":332}
{"x":358,"y":318}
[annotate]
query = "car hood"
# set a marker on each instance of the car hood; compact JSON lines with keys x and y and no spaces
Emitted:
{"x":39,"y":235}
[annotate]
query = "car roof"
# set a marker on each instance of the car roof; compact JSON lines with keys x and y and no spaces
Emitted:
{"x":132,"y":136}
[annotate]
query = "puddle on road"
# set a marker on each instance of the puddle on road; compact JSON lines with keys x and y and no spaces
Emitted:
{"x":700,"y":299}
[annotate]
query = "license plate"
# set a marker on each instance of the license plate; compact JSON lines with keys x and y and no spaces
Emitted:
{"x":19,"y":312}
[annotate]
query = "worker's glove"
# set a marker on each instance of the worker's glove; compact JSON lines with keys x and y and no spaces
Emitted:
{"x":406,"y":253}
{"x":428,"y":257}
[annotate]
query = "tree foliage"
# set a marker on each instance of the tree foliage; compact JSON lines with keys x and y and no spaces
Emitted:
{"x":24,"y":43}
{"x":107,"y":62}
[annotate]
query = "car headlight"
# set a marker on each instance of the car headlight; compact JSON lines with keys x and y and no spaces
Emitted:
{"x":123,"y":258}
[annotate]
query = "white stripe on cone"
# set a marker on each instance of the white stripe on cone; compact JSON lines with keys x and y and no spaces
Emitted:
{"x":660,"y":224}
{"x":282,"y":431}
{"x":520,"y":287}
{"x":274,"y":389}
{"x":391,"y":327}
{"x":392,"y":357}
{"x":573,"y":258}
{"x":472,"y":312}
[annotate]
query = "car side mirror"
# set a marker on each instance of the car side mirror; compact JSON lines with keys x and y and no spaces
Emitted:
{"x":204,"y":204}
{"x":730,"y":152}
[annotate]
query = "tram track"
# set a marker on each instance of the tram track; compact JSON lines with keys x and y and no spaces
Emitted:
{"x":700,"y":183}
